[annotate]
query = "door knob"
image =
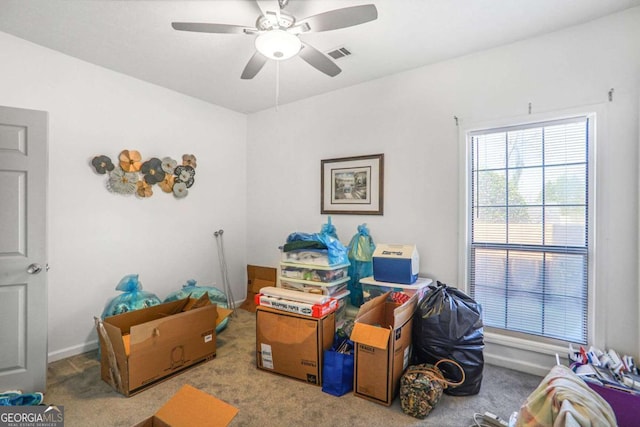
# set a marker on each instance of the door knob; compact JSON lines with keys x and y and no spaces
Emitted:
{"x":34,"y":268}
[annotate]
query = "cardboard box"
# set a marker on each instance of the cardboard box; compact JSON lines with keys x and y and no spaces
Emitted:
{"x":191,"y":407}
{"x":382,"y":339}
{"x":163,"y":340}
{"x":396,"y":263}
{"x":258,"y":278}
{"x":292,"y":344}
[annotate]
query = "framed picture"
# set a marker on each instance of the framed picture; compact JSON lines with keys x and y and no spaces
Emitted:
{"x":352,"y":185}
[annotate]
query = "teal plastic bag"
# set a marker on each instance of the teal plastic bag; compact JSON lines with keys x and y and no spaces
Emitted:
{"x":132,"y":297}
{"x":191,"y":288}
{"x":361,"y":250}
{"x":329,"y":229}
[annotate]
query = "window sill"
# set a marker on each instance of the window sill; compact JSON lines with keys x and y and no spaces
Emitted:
{"x":523,"y":355}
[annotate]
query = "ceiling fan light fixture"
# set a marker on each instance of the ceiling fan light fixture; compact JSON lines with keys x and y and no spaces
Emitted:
{"x":278,"y":44}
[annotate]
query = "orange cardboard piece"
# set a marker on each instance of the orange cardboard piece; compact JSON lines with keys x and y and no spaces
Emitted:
{"x":126,"y":340}
{"x":192,"y":407}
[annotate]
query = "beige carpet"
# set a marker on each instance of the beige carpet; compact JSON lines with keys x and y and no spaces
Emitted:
{"x":263,"y":398}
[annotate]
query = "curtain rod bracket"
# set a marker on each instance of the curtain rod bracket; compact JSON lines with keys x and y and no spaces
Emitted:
{"x":611,"y":95}
{"x":456,"y":119}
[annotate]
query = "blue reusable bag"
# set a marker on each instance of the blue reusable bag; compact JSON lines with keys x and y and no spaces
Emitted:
{"x":337,"y":370}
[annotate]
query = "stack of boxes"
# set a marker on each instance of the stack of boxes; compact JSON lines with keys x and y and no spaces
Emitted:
{"x":292,"y":342}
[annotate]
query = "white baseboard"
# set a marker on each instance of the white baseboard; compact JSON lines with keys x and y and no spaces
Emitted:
{"x":72,"y":351}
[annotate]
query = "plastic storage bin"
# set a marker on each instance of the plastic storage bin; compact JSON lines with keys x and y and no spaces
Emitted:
{"x":314,"y":273}
{"x":372,"y":288}
{"x":313,"y":257}
{"x":329,"y":288}
{"x":341,"y":311}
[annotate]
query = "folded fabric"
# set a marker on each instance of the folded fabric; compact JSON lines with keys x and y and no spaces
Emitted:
{"x":303,"y":244}
{"x":563,"y":399}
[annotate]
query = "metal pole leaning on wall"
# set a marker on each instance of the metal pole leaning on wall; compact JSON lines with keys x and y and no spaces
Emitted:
{"x":224,"y":271}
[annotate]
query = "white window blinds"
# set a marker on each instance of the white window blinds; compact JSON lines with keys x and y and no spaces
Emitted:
{"x":529,"y":227}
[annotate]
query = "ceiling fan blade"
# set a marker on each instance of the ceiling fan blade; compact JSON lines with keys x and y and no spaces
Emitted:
{"x":342,"y":18}
{"x":268,"y":6}
{"x":254,"y":65}
{"x":319,"y":60}
{"x":211,"y":28}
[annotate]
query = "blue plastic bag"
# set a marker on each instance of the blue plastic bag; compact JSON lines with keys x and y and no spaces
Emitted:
{"x":361,"y":250}
{"x":329,"y":229}
{"x":336,"y":251}
{"x":191,"y":288}
{"x":132,"y":298}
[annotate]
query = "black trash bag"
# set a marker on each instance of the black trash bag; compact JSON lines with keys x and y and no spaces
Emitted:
{"x":448,"y":325}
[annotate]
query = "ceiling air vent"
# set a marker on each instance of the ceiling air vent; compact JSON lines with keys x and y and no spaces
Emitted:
{"x":339,"y":53}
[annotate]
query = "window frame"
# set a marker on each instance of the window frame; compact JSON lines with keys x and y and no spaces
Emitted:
{"x":595,"y":329}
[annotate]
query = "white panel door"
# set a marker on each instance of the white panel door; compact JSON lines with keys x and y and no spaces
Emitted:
{"x":23,"y":278}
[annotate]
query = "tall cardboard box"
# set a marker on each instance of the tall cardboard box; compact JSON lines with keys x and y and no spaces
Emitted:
{"x":382,"y":339}
{"x":142,"y":347}
{"x":292,"y":344}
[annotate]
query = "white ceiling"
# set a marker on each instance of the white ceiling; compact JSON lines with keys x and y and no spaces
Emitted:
{"x":135,"y":37}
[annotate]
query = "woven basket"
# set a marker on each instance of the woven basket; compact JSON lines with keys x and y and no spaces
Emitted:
{"x":421,"y":387}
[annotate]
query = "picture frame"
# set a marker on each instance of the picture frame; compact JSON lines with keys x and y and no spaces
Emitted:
{"x":352,"y":185}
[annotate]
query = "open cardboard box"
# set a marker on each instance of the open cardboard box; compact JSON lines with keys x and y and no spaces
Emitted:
{"x":191,"y":407}
{"x":142,"y":347}
{"x":382,"y":340}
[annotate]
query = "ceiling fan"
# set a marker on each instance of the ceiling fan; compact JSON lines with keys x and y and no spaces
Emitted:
{"x":278,"y":33}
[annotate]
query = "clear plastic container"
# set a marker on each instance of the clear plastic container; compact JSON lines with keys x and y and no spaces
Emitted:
{"x":341,"y":311}
{"x":372,"y":288}
{"x":329,"y":288}
{"x":314,"y":273}
{"x":313,"y":257}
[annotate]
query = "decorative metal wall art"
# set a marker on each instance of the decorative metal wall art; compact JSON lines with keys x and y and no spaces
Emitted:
{"x":133,"y":176}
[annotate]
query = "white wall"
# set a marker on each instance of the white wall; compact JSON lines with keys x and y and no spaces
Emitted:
{"x":409,"y":118}
{"x":96,"y":237}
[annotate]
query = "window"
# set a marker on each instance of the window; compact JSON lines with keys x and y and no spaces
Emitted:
{"x":529,"y":233}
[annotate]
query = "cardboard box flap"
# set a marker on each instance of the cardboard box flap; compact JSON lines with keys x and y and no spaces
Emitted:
{"x":192,"y":407}
{"x":124,"y":321}
{"x":375,"y":336}
{"x":223,"y":313}
{"x":193,"y":303}
{"x":257,"y":284}
{"x":265,"y":273}
{"x":372,"y":304}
